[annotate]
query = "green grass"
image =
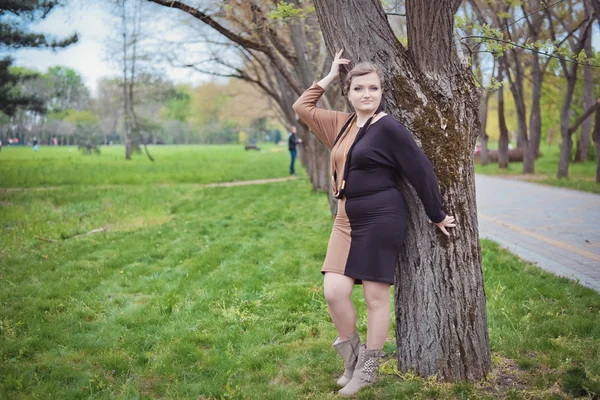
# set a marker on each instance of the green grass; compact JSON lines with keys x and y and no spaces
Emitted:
{"x":56,"y":166}
{"x":215,"y":293}
{"x":582,"y":176}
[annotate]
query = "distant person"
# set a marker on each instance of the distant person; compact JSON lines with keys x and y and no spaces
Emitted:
{"x":0,"y":144}
{"x":55,"y":141}
{"x":293,"y":142}
{"x":35,"y":144}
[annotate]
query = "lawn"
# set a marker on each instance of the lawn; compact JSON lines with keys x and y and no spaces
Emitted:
{"x":582,"y":176}
{"x":56,"y":166}
{"x":195,"y":292}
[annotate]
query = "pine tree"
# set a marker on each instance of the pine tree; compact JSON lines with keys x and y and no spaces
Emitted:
{"x":15,"y":18}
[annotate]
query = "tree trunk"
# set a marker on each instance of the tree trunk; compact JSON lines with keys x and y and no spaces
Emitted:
{"x":596,"y":137}
{"x":596,"y":6}
{"x":441,"y":321}
{"x":537,"y":77}
{"x":570,"y":74}
{"x":483,"y":136}
{"x":314,"y":155}
{"x":567,"y":140}
{"x":516,"y":87}
{"x":535,"y":120}
{"x":126,"y":119}
{"x":583,"y":144}
{"x":503,"y":139}
{"x":522,"y":139}
{"x":483,"y":108}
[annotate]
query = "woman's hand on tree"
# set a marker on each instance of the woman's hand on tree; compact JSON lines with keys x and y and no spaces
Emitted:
{"x":448,"y":222}
{"x":335,"y":69}
{"x":337,"y":61}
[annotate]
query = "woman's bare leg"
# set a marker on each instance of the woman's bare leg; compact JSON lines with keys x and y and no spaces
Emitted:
{"x":338,"y":289}
{"x":377,"y":296}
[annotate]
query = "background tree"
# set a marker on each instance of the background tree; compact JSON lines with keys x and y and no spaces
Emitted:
{"x":279,"y":51}
{"x":15,"y":19}
{"x":596,"y":139}
{"x":583,"y":143}
{"x":26,"y":122}
{"x":440,"y":300}
{"x":67,"y":90}
{"x":503,"y":139}
{"x":570,"y":16}
{"x":132,"y":54}
{"x":108,"y":108}
{"x":521,"y":37}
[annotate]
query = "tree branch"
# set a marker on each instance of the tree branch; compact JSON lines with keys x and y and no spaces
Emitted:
{"x":196,"y":13}
{"x":248,"y":44}
{"x":274,"y":38}
{"x":535,"y":12}
{"x":585,"y":116}
{"x":526,"y":48}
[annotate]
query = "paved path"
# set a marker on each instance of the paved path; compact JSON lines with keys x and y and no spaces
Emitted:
{"x":556,"y":229}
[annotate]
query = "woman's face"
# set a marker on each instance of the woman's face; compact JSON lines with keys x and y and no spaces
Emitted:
{"x":365,"y":93}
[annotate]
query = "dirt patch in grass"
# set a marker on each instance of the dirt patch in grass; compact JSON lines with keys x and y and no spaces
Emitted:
{"x":505,"y":375}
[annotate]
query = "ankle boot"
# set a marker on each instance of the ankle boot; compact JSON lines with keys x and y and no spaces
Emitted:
{"x":348,"y":350}
{"x":365,"y":372}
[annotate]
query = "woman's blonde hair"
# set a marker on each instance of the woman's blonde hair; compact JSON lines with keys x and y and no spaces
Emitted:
{"x":361,"y":69}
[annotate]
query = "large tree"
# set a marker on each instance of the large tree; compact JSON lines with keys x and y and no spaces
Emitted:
{"x":15,"y":19}
{"x":440,"y":299}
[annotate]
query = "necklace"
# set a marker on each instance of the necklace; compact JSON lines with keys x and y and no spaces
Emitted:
{"x":346,"y":148}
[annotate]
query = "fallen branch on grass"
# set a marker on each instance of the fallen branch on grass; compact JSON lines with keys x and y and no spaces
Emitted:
{"x":46,"y":239}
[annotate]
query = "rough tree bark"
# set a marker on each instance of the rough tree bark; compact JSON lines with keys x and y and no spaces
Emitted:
{"x":440,"y":300}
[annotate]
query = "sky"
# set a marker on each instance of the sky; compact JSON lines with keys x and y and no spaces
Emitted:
{"x":89,"y":56}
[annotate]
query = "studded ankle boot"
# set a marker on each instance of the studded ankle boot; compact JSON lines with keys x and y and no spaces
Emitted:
{"x":365,"y":372}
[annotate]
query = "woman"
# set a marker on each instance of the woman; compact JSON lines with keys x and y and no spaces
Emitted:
{"x":368,"y":150}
